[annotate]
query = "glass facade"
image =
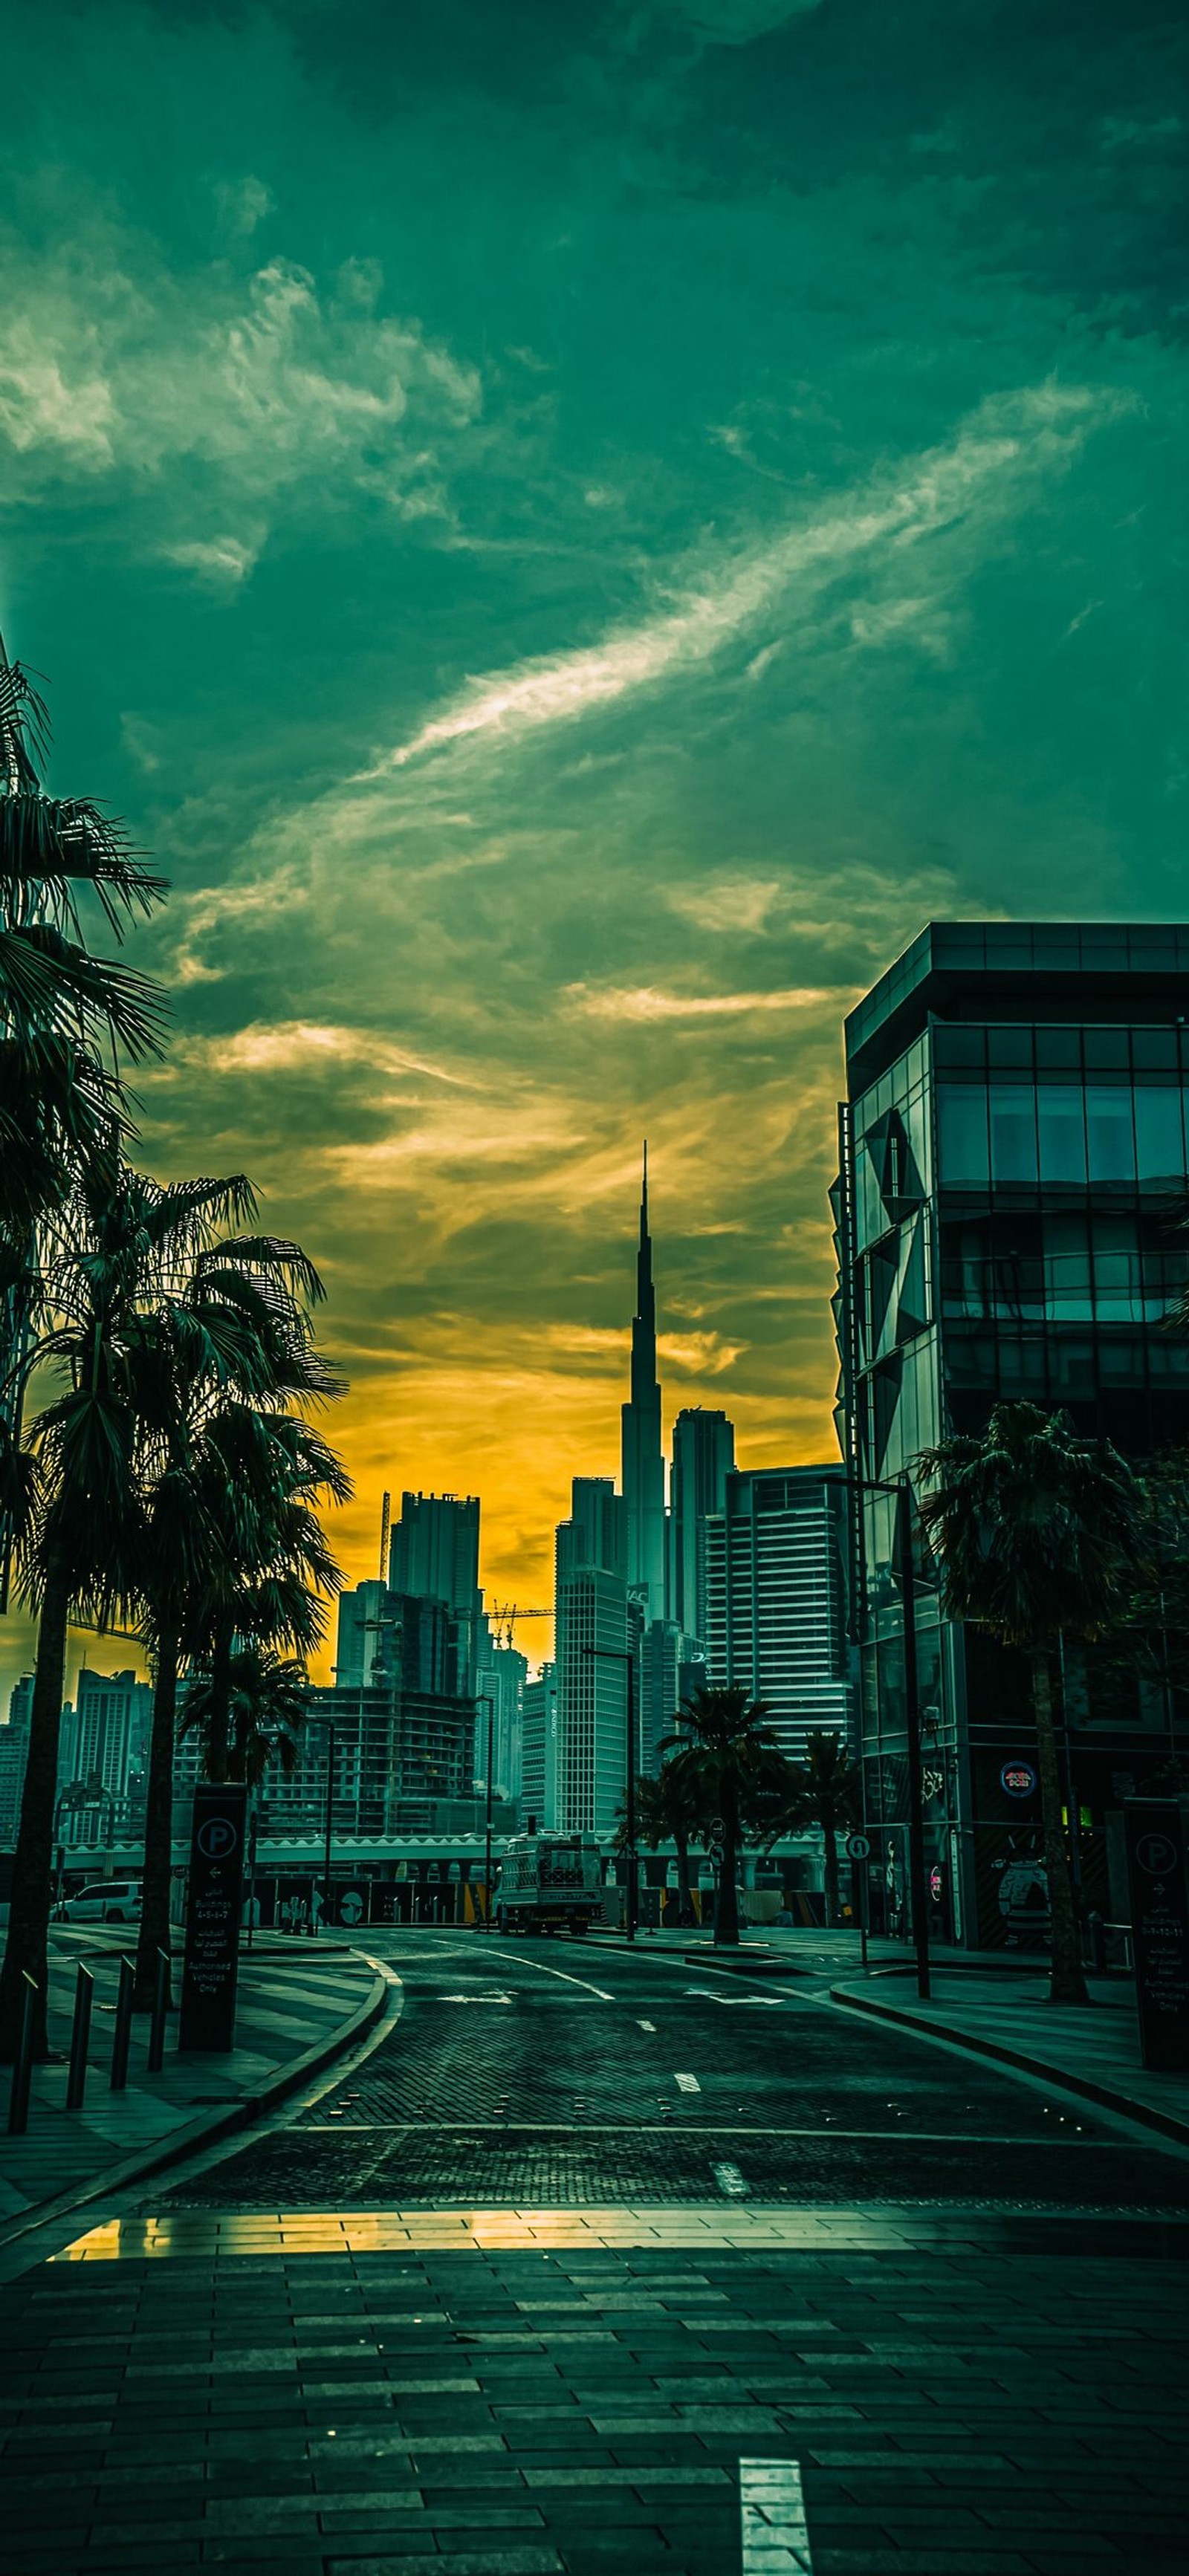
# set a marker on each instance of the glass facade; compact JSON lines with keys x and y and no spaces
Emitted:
{"x":1010,"y":1223}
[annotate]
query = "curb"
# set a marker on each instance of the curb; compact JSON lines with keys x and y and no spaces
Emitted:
{"x":1105,"y":2095}
{"x":194,"y":2134}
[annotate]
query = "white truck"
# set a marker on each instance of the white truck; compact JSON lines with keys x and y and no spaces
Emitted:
{"x":549,"y":1883}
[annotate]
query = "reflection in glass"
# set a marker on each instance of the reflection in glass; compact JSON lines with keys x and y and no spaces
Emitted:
{"x":1110,"y":1132}
{"x":1160,"y":1151}
{"x":1013,"y":1132}
{"x":962,"y":1132}
{"x":1061,"y":1114}
{"x":1067,"y":1270}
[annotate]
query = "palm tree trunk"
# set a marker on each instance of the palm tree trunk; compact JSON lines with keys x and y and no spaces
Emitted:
{"x":220,"y":1720}
{"x":1067,"y":1985}
{"x":27,"y":1948}
{"x":831,"y":1877}
{"x":158,"y":1824}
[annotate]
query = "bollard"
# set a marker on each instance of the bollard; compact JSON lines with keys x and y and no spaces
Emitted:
{"x":123,"y":2031}
{"x":80,"y":2038}
{"x":18,"y":2100}
{"x":160,"y":2010}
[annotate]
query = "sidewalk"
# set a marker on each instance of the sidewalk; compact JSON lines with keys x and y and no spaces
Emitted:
{"x":1094,"y":2050}
{"x":299,"y":2005}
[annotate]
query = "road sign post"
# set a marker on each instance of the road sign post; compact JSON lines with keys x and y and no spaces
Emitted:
{"x":210,"y":1967}
{"x":1157,"y":1838}
{"x":858,"y":1850}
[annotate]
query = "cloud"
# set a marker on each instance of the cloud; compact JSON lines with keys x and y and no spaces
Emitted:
{"x":738,"y":22}
{"x":216,"y":396}
{"x":645,"y":1003}
{"x":1010,"y":442}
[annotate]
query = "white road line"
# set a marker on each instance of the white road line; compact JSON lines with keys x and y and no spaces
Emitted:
{"x":687,"y":2083}
{"x":733,"y":2002}
{"x":646,"y":2025}
{"x":774,"y":2531}
{"x":730,"y":2181}
{"x":543,"y":1971}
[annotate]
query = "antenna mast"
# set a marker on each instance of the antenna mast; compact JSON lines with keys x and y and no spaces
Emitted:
{"x":385,"y":1525}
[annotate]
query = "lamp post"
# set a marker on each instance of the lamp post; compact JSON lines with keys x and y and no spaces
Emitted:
{"x":902,"y":1558}
{"x":315,"y":1718}
{"x":481,"y":1698}
{"x":626,"y":1655}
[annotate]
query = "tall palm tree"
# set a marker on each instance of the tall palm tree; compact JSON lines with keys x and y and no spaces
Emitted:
{"x":668,"y":1811}
{"x":728,"y":1760}
{"x":66,"y":1018}
{"x":234,"y":1330}
{"x":1036,"y":1531}
{"x":263,"y":1473}
{"x":824,"y":1791}
{"x":112,"y":1260}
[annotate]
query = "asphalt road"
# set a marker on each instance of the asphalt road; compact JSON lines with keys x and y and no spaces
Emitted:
{"x":562,"y":2073}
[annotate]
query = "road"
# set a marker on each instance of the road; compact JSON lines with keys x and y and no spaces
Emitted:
{"x":815,"y":2294}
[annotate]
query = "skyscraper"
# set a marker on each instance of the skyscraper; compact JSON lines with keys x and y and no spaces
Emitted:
{"x":703,"y":1456}
{"x":592,"y":1612}
{"x":776,"y":1598}
{"x":1013,"y":1169}
{"x":538,"y":1782}
{"x":643,"y":1463}
{"x":435,"y":1556}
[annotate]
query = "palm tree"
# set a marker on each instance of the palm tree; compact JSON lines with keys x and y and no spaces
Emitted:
{"x":64,"y":1014}
{"x":262,"y":1474}
{"x":822,"y":1791}
{"x":667,"y":1811}
{"x":235,"y":1329}
{"x":1036,"y":1532}
{"x":267,"y":1711}
{"x":114,"y":1260}
{"x":728,"y":1761}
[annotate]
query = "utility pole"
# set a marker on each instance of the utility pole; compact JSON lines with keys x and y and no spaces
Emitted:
{"x":480,"y":1697}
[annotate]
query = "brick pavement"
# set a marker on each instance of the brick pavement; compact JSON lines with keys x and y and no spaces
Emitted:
{"x":292,"y":2001}
{"x":524,"y":2409}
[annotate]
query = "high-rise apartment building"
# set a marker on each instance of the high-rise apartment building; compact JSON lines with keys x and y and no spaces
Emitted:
{"x":114,"y":1714}
{"x":434,"y":1554}
{"x":592,"y":1611}
{"x":501,"y":1674}
{"x":14,"y":1757}
{"x":776,"y":1598}
{"x":538,"y":1775}
{"x":703,"y":1456}
{"x":1013,"y":1160}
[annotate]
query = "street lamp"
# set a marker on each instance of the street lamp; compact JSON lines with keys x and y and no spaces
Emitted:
{"x":314,"y":1717}
{"x":487,"y":1698}
{"x":901,"y":1490}
{"x":626,"y":1655}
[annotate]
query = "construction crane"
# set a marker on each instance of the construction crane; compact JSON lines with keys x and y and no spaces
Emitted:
{"x":504,"y":1615}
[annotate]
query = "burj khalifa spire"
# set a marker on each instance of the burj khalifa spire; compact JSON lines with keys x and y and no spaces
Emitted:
{"x":643,"y":1461}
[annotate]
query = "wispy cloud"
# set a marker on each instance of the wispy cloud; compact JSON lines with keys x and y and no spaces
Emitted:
{"x":644,"y":1002}
{"x":996,"y":454}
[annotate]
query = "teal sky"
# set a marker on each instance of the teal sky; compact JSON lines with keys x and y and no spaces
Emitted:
{"x":570,"y":531}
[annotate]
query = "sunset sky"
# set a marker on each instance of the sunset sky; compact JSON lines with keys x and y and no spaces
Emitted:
{"x":570,"y":531}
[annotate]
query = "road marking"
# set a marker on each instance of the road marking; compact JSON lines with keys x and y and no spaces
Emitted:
{"x":647,"y":2025}
{"x":713,"y":1996}
{"x":774,"y":2531}
{"x":687,"y":2083}
{"x":473,"y":1999}
{"x":730,"y":2181}
{"x":543,"y":1971}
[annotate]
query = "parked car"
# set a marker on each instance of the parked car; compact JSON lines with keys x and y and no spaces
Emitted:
{"x":110,"y":1900}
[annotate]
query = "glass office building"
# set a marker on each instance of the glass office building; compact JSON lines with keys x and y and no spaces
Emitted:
{"x":1010,"y":1223}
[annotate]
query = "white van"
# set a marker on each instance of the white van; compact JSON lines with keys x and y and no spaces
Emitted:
{"x":110,"y":1900}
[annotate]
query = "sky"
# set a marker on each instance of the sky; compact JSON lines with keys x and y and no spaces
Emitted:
{"x":570,"y":531}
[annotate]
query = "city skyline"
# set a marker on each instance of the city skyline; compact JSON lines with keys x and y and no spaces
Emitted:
{"x":568,"y":549}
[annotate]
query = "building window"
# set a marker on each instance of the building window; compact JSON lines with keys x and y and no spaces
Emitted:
{"x":1061,"y":1114}
{"x":962,"y":1135}
{"x":1013,"y":1133}
{"x":1110,"y":1132}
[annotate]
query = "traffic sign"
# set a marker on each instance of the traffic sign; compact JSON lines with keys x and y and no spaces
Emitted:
{"x":717,"y":1829}
{"x":857,"y":1846}
{"x":715,"y":1854}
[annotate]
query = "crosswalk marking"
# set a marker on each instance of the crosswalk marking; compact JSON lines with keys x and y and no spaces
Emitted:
{"x":773,"y":2529}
